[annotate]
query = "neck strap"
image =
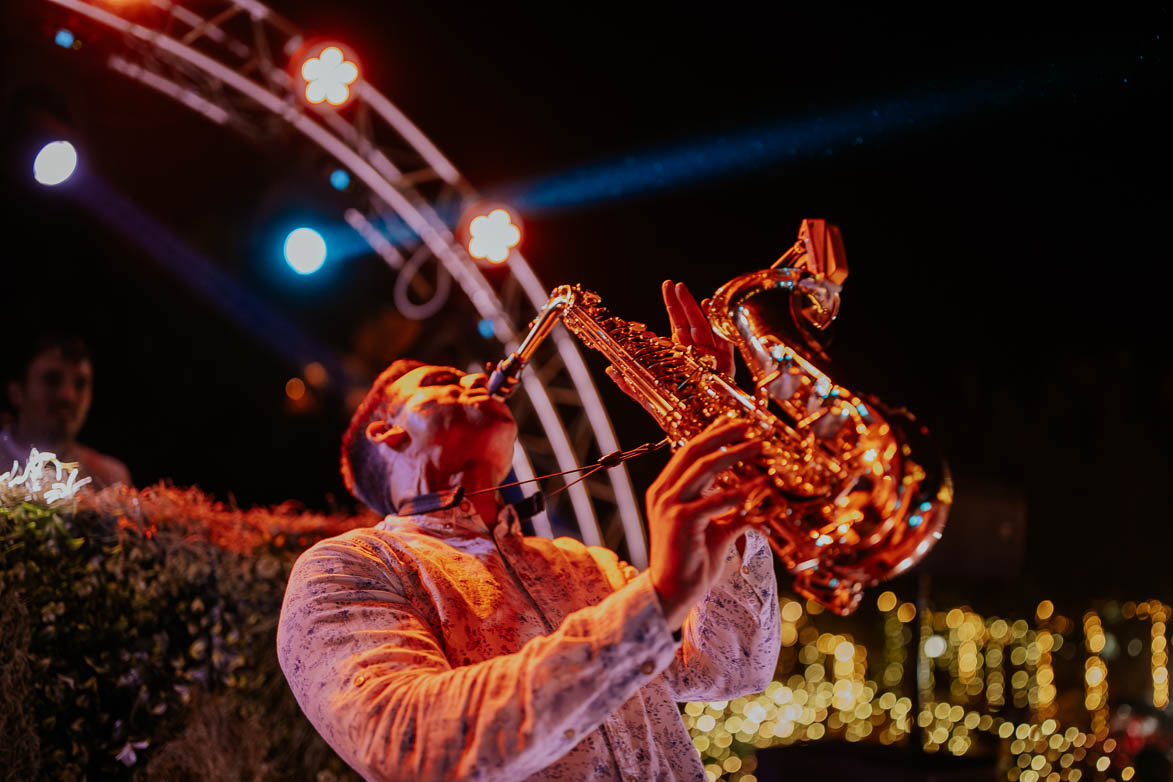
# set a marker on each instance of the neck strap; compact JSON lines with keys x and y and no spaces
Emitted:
{"x":443,"y":500}
{"x":530,"y":506}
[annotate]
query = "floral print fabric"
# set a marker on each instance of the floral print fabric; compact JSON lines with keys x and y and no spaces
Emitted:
{"x":431,"y":648}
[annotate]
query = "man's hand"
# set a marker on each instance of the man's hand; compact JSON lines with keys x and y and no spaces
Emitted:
{"x":690,"y":325}
{"x":688,"y":548}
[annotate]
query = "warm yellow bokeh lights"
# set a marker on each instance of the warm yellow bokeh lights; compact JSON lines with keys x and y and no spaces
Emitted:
{"x":981,"y":670}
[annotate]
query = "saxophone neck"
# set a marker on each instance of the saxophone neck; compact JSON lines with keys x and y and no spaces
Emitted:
{"x":507,"y":373}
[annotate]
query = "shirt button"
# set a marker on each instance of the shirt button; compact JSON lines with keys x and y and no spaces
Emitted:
{"x":648,"y":668}
{"x":569,"y":733}
{"x":745,"y":570}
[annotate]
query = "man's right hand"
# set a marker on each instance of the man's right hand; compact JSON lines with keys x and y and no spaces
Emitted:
{"x":687,"y":548}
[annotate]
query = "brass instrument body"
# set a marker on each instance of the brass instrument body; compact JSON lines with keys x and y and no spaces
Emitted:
{"x":857,"y":493}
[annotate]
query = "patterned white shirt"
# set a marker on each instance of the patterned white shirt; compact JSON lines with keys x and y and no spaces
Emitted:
{"x":431,"y":648}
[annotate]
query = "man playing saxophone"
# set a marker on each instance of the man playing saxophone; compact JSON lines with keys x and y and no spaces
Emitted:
{"x":443,"y":644}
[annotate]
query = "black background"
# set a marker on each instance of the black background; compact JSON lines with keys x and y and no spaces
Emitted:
{"x":1006,"y":227}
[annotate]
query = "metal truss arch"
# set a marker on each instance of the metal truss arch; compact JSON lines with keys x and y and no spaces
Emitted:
{"x":224,"y":65}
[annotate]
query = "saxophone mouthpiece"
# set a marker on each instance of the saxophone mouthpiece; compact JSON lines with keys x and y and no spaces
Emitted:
{"x":505,"y":376}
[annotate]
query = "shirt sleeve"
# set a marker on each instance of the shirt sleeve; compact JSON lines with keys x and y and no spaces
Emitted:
{"x":733,"y":635}
{"x":372,"y":677}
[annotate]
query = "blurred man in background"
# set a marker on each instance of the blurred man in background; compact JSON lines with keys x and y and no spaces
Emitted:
{"x":51,"y":391}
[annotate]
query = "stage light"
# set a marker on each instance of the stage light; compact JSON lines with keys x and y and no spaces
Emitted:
{"x":339,"y":179}
{"x":55,"y":163}
{"x":305,"y":250}
{"x":486,"y":328}
{"x":328,"y":77}
{"x":64,"y":38}
{"x":295,"y":388}
{"x":493,"y":236}
{"x":316,"y":374}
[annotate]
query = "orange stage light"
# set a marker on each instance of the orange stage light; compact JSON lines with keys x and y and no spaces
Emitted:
{"x":295,"y":388}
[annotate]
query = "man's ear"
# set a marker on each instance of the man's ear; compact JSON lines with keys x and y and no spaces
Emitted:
{"x":386,"y":433}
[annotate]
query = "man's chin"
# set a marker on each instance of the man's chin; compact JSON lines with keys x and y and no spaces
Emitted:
{"x":59,"y":429}
{"x":490,"y":408}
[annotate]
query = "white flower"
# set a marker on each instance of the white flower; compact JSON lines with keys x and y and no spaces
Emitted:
{"x":40,"y":480}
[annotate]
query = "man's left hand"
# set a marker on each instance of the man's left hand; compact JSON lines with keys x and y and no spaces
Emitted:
{"x":690,"y":325}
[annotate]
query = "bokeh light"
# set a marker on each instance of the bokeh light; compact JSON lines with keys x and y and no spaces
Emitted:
{"x":493,"y":236}
{"x":305,"y":250}
{"x":339,"y":179}
{"x":991,"y":682}
{"x":328,"y":77}
{"x":316,"y":374}
{"x":295,"y":388}
{"x":55,"y":163}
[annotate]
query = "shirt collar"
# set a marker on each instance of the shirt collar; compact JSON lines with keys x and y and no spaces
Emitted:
{"x":449,"y":512}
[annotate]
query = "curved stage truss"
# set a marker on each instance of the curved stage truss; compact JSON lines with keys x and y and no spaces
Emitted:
{"x":230,"y":66}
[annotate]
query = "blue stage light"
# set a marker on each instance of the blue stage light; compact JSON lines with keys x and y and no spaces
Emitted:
{"x":305,"y":250}
{"x":340,"y":179}
{"x":486,"y":328}
{"x":64,"y":38}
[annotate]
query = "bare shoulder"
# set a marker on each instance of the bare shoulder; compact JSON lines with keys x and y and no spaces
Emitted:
{"x":104,"y":469}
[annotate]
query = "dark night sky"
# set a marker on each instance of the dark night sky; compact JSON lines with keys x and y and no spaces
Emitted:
{"x":1005,"y":214}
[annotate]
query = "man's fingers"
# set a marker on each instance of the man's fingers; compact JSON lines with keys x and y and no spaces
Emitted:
{"x":721,"y":432}
{"x":676,"y":317}
{"x":698,"y":325}
{"x":619,"y":380}
{"x":701,"y":472}
{"x":719,"y":536}
{"x":719,"y":502}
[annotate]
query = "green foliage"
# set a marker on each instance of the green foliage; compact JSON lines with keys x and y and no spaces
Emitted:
{"x":139,"y":639}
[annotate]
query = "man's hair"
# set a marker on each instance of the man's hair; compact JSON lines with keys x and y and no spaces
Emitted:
{"x":73,"y":349}
{"x":363,"y":471}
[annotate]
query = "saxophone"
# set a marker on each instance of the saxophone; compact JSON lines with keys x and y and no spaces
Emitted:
{"x":857,"y":491}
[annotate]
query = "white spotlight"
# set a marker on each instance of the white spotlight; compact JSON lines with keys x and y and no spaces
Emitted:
{"x":55,"y":163}
{"x":305,"y":250}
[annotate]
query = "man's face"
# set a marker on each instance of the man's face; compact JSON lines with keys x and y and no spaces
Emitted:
{"x":452,"y":421}
{"x":54,"y":398}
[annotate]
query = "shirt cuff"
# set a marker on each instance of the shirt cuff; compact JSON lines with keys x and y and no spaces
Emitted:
{"x":756,"y":565}
{"x":646,"y":618}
